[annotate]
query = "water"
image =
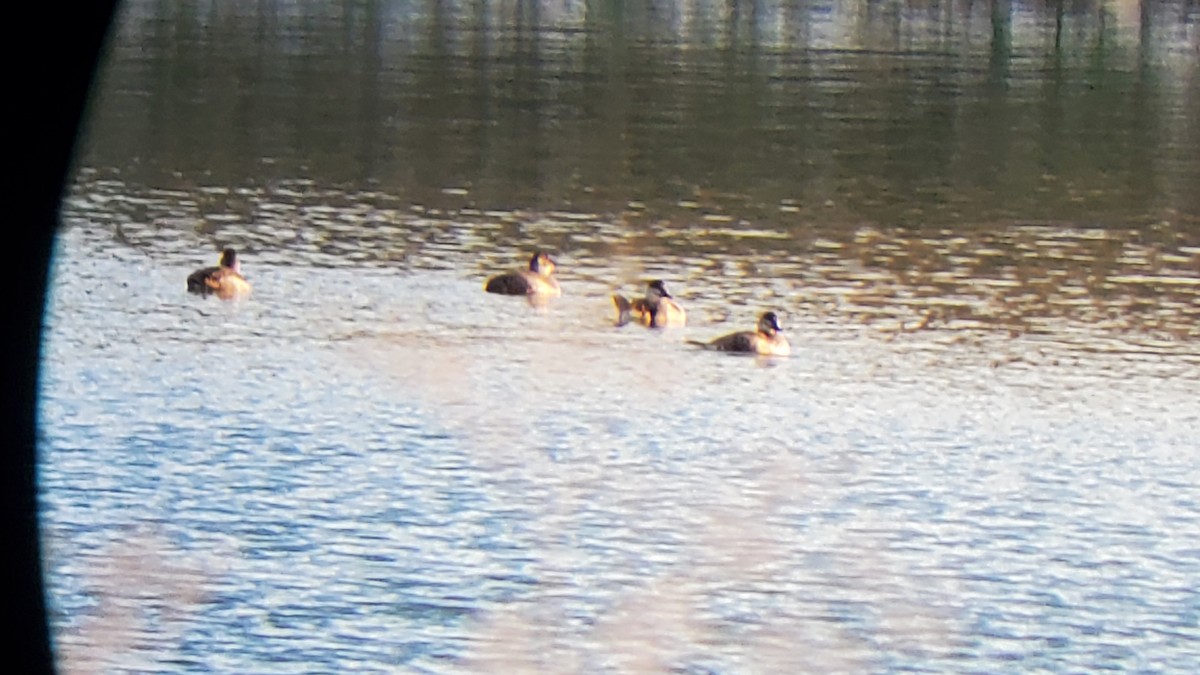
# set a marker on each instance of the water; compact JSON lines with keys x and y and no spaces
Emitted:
{"x":980,"y":458}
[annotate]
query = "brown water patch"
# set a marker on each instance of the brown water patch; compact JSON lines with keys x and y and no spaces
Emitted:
{"x":1138,"y":283}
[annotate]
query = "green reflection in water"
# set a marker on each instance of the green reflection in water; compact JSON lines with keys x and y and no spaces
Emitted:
{"x":902,"y":164}
{"x":833,"y":114}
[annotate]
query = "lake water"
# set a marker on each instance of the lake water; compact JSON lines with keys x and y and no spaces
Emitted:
{"x":980,"y":229}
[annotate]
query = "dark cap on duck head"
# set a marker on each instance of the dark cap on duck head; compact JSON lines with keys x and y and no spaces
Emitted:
{"x":540,"y":258}
{"x":769,"y":320}
{"x":659,"y":287}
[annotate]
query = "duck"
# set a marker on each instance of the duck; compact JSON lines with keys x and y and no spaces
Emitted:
{"x":537,"y":280}
{"x":658,"y":309}
{"x":766,"y":340}
{"x":224,"y":281}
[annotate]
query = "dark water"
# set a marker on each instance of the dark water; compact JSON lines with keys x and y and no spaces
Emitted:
{"x":939,"y":114}
{"x":979,"y":222}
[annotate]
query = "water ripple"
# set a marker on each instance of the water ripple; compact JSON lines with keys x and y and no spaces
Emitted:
{"x":371,"y":465}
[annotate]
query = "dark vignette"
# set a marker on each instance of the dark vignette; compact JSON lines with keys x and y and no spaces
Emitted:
{"x":56,"y":62}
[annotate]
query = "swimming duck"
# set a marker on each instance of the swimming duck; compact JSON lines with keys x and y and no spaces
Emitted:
{"x":537,"y":280}
{"x":657,"y":310}
{"x":225,"y":280}
{"x":767,"y":340}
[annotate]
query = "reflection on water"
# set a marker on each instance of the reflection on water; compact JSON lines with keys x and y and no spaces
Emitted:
{"x":902,"y":114}
{"x":1138,"y":285}
{"x":977,"y":220}
{"x":374,"y":465}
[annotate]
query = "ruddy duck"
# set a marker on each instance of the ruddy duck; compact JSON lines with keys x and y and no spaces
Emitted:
{"x":224,"y":281}
{"x":657,"y":310}
{"x":537,"y":280}
{"x":767,"y":340}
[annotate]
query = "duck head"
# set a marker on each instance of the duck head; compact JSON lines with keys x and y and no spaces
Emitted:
{"x":768,"y":324}
{"x":542,"y":264}
{"x":229,"y":260}
{"x":656,"y":290}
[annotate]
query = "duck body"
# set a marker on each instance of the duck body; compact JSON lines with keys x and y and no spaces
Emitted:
{"x":766,"y":340}
{"x":537,"y":280}
{"x":657,"y":310}
{"x":224,"y":281}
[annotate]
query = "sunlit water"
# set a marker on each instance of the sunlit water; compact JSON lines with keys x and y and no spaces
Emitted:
{"x":981,"y":456}
{"x":373,"y":469}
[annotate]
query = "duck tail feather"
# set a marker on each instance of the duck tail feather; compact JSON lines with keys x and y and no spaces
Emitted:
{"x":623,"y":309}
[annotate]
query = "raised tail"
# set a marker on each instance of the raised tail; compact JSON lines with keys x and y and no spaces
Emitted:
{"x":623,"y":309}
{"x":198,"y":281}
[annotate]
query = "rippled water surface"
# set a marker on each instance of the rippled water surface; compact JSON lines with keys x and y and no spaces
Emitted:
{"x":384,"y":468}
{"x":981,"y":456}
